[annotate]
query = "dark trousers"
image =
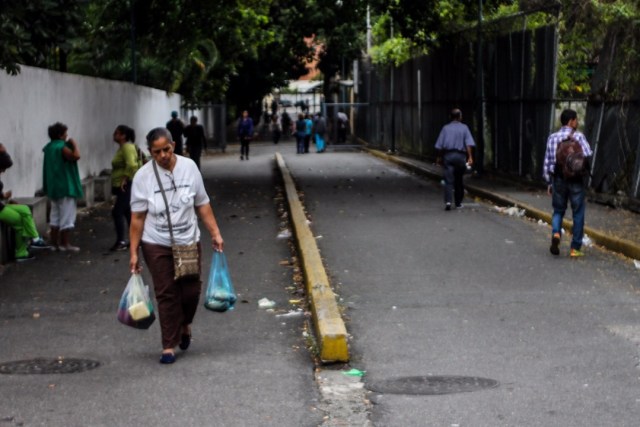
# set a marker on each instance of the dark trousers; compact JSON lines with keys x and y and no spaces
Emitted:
{"x":177,"y":300}
{"x":276,"y":136}
{"x":244,"y":146}
{"x":455,"y":163}
{"x":121,"y":211}
{"x":307,"y":141}
{"x":300,"y":142}
{"x":194,"y":154}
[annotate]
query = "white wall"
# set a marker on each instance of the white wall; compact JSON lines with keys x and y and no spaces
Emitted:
{"x":90,"y":107}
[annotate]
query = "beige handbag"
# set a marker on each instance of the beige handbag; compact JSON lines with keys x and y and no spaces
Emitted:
{"x":185,"y":257}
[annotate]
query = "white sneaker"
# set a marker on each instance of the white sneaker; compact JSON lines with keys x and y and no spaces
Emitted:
{"x":68,"y":248}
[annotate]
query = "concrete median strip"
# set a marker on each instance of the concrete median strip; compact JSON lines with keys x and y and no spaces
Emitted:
{"x":330,"y":329}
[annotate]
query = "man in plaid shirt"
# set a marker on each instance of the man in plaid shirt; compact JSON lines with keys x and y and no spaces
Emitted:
{"x":564,"y":190}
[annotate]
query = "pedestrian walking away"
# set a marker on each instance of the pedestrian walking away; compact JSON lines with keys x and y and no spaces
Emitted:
{"x":276,"y":128}
{"x":124,"y":166}
{"x":150,"y":231}
{"x":301,"y":127}
{"x":308,"y":130}
{"x":245,"y":134}
{"x":319,"y":129}
{"x":455,"y":153}
{"x":176,"y":127}
{"x":565,"y":175}
{"x":61,"y":184}
{"x":18,"y":217}
{"x":195,"y":139}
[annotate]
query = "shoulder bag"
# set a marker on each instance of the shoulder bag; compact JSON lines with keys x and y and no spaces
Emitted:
{"x":185,"y":257}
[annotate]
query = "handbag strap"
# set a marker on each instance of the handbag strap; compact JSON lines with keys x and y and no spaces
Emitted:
{"x":166,"y":204}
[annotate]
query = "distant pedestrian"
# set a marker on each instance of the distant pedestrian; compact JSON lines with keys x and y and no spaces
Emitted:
{"x":308,"y":131}
{"x":276,"y":128}
{"x":285,"y":121}
{"x":245,"y":134}
{"x":18,"y":217}
{"x":61,"y":184}
{"x":455,"y":151}
{"x":196,"y":140}
{"x":124,"y":165}
{"x":319,"y":129}
{"x":188,"y":200}
{"x":564,"y":189}
{"x":176,"y":127}
{"x":301,"y":128}
{"x":343,"y":126}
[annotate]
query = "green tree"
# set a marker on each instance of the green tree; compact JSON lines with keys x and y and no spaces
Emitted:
{"x":37,"y":33}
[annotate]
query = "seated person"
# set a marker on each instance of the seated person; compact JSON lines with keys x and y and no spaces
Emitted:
{"x":18,"y":217}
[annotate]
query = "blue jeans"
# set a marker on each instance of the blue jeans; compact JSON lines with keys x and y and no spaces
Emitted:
{"x":563,"y":193}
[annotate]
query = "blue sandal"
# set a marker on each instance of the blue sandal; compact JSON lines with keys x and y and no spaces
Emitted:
{"x":167,"y":358}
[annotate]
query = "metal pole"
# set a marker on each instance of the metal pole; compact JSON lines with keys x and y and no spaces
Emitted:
{"x":134,"y":71}
{"x":420,"y":112}
{"x":393,"y":106}
{"x":479,"y":160}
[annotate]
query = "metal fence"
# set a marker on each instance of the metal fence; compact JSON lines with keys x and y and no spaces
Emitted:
{"x":510,"y":112}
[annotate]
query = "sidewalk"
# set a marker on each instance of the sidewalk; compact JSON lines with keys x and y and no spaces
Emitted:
{"x":615,"y":229}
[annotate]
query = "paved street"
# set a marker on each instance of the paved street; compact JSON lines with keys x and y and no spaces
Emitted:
{"x":244,"y":368}
{"x":425,"y":292}
{"x":471,"y":293}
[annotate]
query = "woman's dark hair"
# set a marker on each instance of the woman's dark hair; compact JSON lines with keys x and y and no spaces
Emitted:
{"x":5,"y":161}
{"x":128,"y":132}
{"x":156,"y":134}
{"x":56,"y":130}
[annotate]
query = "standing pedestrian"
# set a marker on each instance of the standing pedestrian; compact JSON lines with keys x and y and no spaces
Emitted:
{"x":308,"y":131}
{"x":187,"y":199}
{"x":176,"y":127}
{"x":61,"y":184}
{"x":18,"y":217}
{"x":245,"y":134}
{"x":319,"y":129}
{"x":301,"y":127}
{"x":455,"y":153}
{"x":562,"y":188}
{"x":124,"y":166}
{"x":276,"y":128}
{"x":195,"y":139}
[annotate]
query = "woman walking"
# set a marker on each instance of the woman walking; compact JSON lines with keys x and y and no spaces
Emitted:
{"x":124,"y":166}
{"x":176,"y":181}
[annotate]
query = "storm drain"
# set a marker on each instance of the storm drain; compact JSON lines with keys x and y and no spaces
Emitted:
{"x":48,"y":366}
{"x":431,"y":385}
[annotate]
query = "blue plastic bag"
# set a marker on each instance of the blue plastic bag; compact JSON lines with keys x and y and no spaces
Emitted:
{"x":220,"y":295}
{"x":136,"y":308}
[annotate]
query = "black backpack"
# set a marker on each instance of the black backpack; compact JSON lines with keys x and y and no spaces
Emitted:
{"x":570,"y":159}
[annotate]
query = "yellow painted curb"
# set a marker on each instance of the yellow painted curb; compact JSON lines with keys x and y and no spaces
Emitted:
{"x":331,"y":332}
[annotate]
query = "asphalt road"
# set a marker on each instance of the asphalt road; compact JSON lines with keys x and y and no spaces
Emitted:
{"x":470,"y":293}
{"x":425,"y":292}
{"x":244,"y":368}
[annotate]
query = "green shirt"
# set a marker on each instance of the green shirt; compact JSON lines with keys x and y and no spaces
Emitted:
{"x":125,"y":164}
{"x":60,"y":176}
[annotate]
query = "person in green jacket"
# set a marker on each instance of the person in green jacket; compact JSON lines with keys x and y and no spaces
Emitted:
{"x":124,"y":165}
{"x":61,"y":184}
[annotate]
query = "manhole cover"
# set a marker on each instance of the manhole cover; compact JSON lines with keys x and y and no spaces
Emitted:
{"x":431,"y":385}
{"x":47,"y":366}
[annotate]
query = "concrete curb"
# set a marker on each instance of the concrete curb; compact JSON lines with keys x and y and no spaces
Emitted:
{"x":600,"y":237}
{"x":330,"y":329}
